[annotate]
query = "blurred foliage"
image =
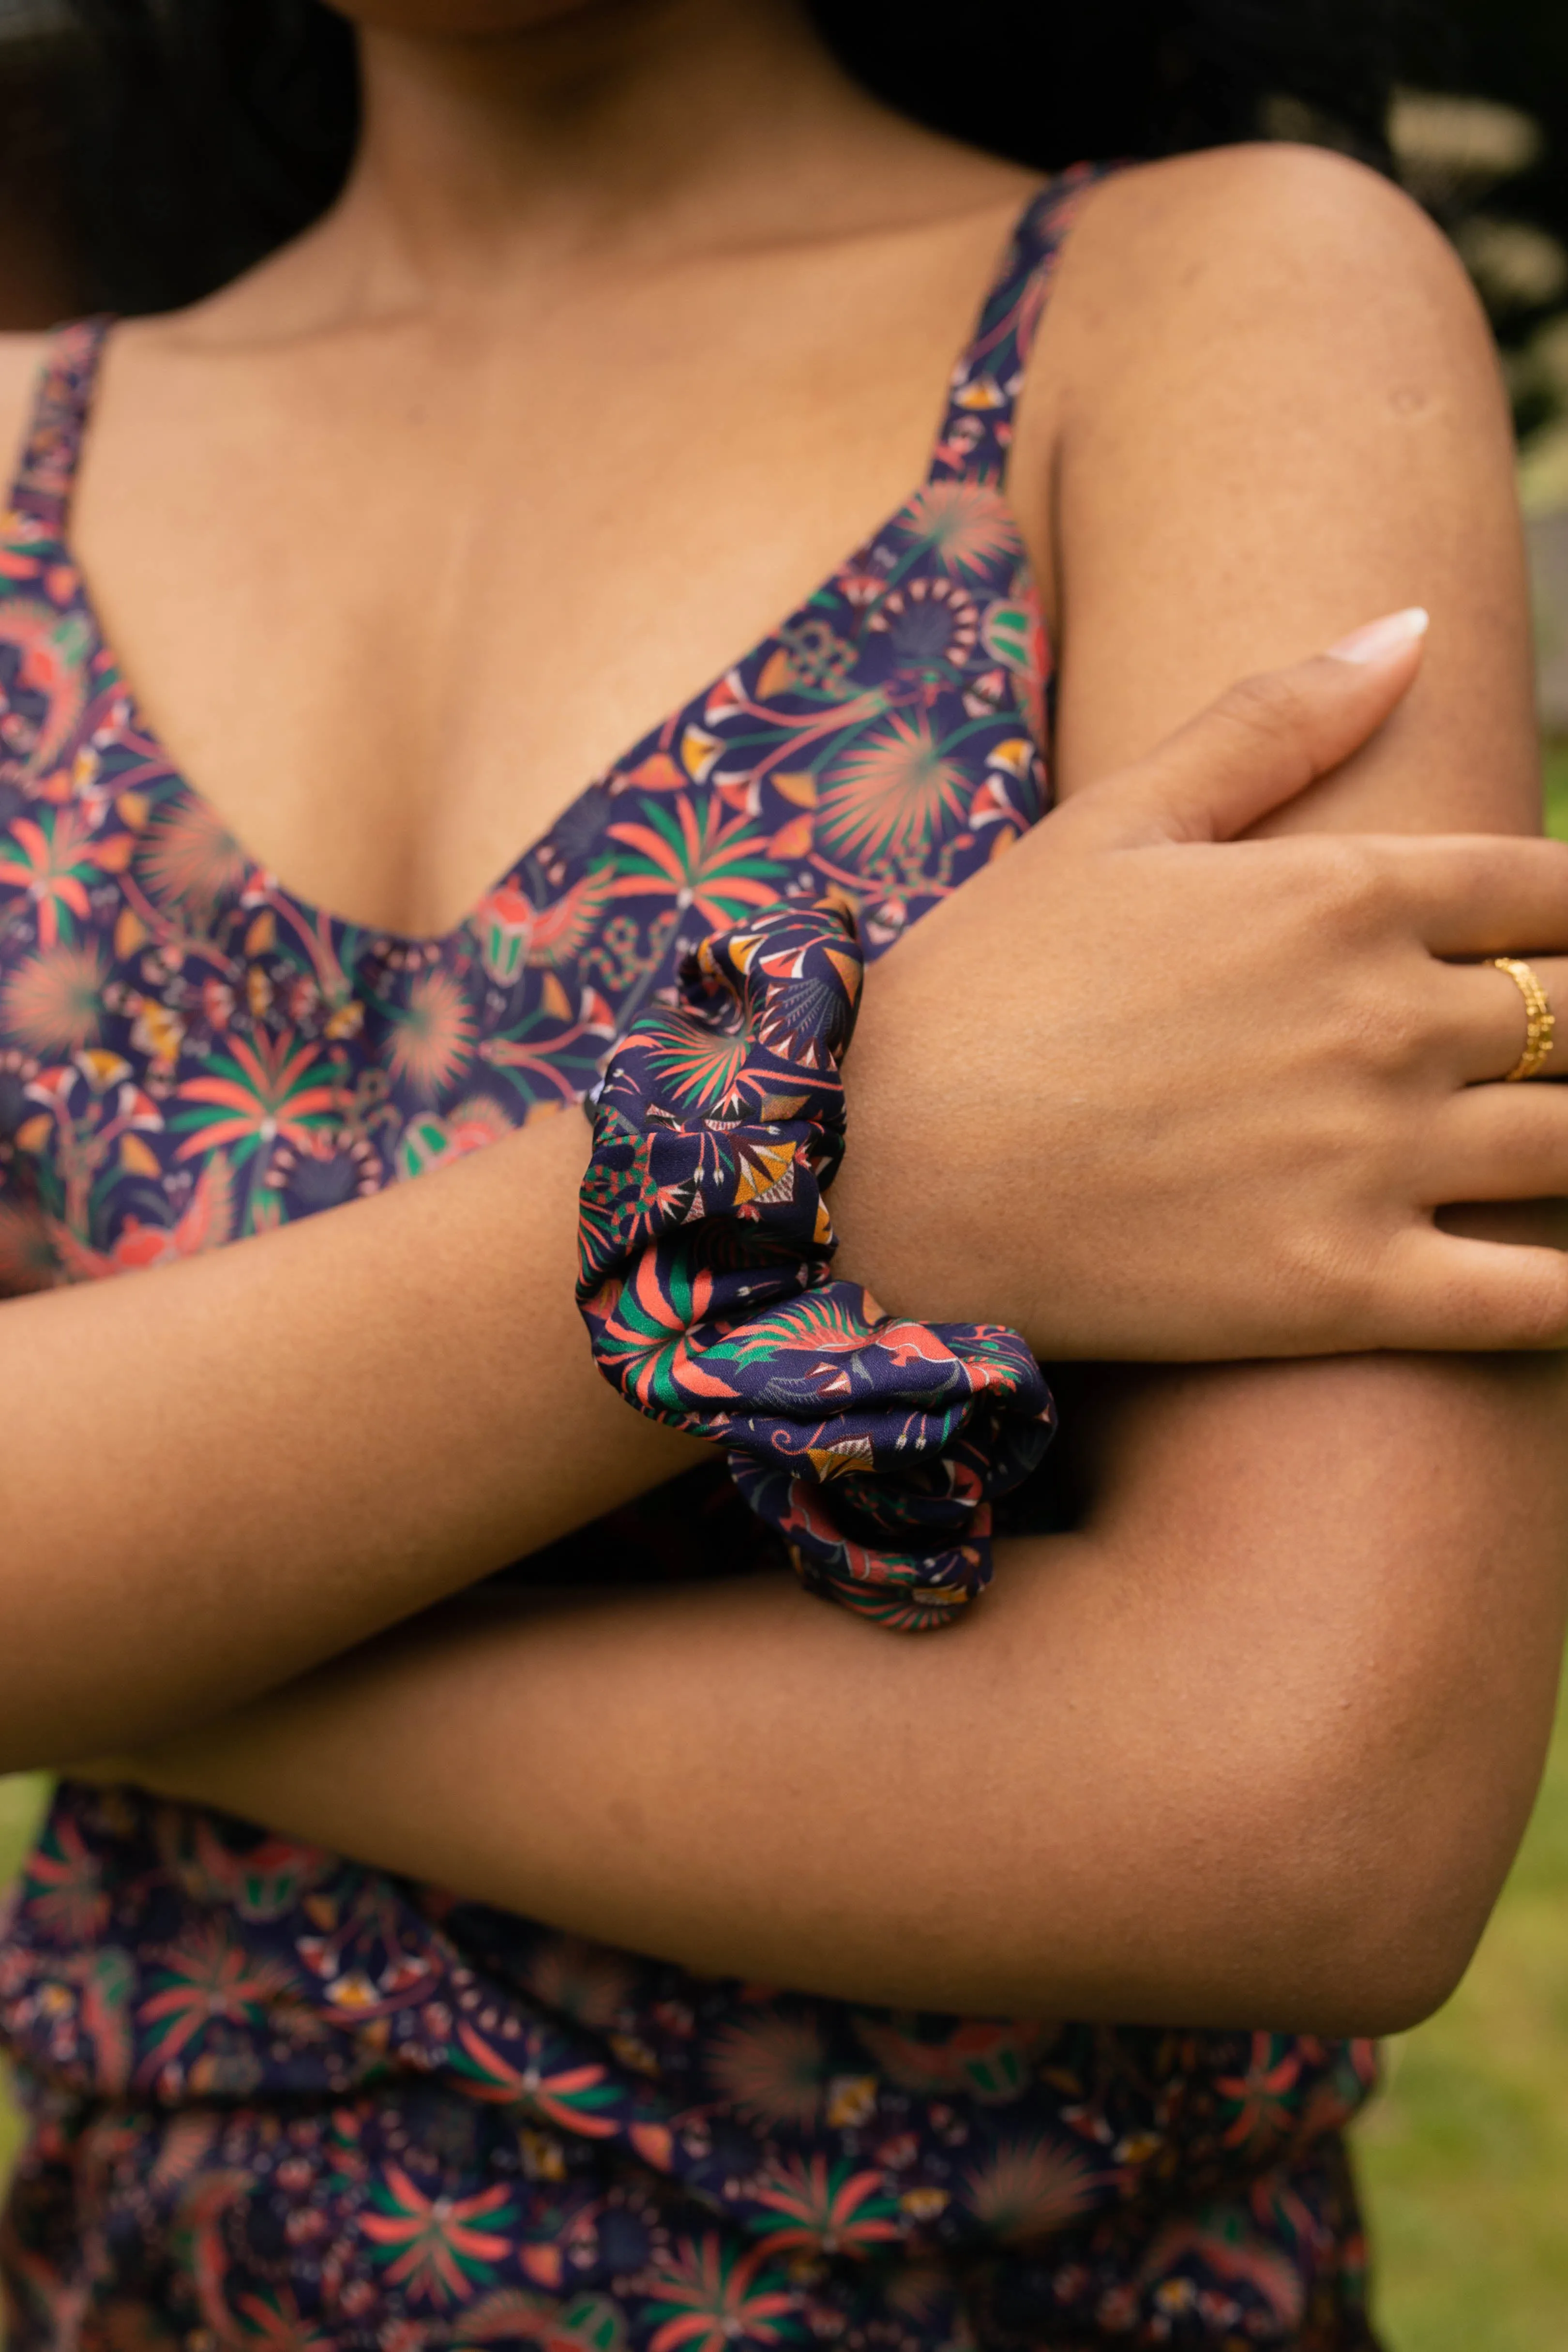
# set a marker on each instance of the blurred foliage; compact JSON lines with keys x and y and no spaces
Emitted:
{"x":1556,"y":791}
{"x":1486,"y":150}
{"x":22,"y":1800}
{"x":1516,"y":51}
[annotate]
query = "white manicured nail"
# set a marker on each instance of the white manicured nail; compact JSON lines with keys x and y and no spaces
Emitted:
{"x":1381,"y":640}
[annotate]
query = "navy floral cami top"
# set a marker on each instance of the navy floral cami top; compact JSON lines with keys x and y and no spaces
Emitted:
{"x":278,"y":2100}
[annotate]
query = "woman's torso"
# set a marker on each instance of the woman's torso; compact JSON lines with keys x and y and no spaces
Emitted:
{"x":610,"y":477}
{"x":275,"y":2092}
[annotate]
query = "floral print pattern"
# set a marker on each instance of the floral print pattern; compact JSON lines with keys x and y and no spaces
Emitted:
{"x":280,"y":2100}
{"x":875,"y":1447}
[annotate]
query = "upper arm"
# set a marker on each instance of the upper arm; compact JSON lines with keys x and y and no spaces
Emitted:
{"x":1272,"y":412}
{"x":1267,"y":409}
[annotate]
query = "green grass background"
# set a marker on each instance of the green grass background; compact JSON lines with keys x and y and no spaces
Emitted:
{"x":1465,"y":2157}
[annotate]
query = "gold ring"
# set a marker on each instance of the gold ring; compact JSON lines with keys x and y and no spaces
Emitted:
{"x":1539,"y":1020}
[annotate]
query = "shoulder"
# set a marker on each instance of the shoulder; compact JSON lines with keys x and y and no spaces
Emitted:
{"x":1253,"y":317}
{"x":1290,"y":214}
{"x":1266,"y":405}
{"x":21,"y":357}
{"x":1261,"y":260}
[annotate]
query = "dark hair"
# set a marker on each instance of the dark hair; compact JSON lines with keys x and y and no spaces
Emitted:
{"x":210,"y":130}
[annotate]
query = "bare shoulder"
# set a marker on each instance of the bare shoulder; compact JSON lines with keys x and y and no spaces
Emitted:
{"x":1265,"y":188}
{"x":1241,"y":289}
{"x":1266,"y":407}
{"x":1211,"y":234}
{"x":21,"y":357}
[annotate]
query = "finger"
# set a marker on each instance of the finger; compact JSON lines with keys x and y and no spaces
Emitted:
{"x":1485,"y":1013}
{"x":1477,"y":894}
{"x":1263,"y":742}
{"x":1498,"y":1143}
{"x":1446,"y":1291}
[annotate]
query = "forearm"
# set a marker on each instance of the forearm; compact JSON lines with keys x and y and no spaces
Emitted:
{"x":1176,"y":1765}
{"x":216,"y":1475}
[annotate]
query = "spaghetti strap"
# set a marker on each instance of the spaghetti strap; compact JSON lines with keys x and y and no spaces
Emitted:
{"x":976,"y":432}
{"x":46,"y":473}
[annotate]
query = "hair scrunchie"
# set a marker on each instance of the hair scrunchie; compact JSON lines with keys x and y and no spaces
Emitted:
{"x":875,"y":1447}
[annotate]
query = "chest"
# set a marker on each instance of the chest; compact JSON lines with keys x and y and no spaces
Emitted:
{"x":190,"y":1052}
{"x":392,"y":598}
{"x":200,"y":1035}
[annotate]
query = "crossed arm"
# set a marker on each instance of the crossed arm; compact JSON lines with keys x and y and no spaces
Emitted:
{"x":1256,"y":1743}
{"x":1258,"y":1739}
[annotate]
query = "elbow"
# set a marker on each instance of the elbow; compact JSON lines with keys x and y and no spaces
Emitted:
{"x":1381,"y":1882}
{"x":1387,"y":1773}
{"x":1388,"y":1965}
{"x":1326,"y":1928}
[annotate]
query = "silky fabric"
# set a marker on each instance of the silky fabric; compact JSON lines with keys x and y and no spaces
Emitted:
{"x":873,"y":1446}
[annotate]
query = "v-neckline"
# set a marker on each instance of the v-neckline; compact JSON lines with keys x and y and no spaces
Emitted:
{"x":970,"y":451}
{"x":101,"y":656}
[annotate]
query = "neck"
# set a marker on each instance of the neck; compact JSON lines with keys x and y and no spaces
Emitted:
{"x":630,"y":129}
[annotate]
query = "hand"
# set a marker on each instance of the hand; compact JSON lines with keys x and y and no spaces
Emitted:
{"x":1149,"y":1092}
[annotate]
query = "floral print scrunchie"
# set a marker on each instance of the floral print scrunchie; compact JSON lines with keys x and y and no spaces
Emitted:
{"x":875,"y":1447}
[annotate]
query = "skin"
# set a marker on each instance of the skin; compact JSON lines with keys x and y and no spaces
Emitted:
{"x":1310,"y":1622}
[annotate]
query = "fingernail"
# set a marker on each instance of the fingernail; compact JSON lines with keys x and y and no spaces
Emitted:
{"x":1381,"y":640}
